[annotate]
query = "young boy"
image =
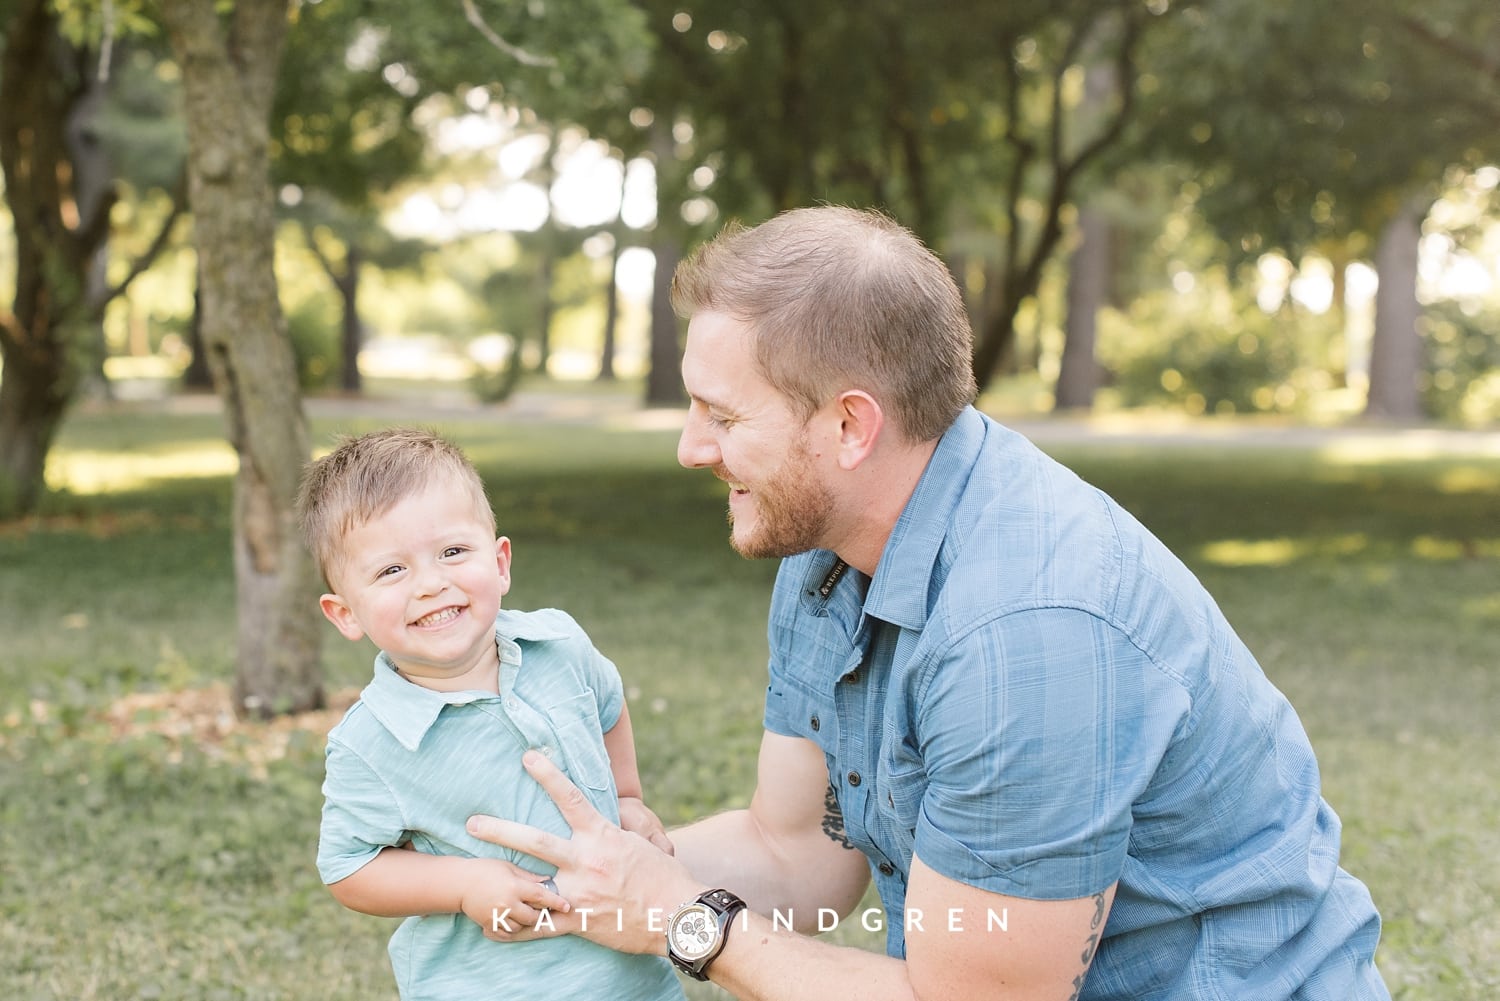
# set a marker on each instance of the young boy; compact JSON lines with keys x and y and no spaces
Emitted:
{"x":404,"y":535}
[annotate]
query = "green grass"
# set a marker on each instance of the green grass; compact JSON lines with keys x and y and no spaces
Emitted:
{"x":141,"y":861}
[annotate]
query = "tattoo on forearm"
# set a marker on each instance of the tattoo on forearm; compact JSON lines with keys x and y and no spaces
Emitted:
{"x":833,"y":819}
{"x":1090,"y":945}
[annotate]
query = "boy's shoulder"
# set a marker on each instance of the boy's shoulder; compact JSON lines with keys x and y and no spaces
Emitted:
{"x":357,"y":725}
{"x":539,"y":625}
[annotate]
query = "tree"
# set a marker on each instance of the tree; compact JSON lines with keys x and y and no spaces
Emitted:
{"x":963,"y":114}
{"x":342,"y":136}
{"x":1088,"y":289}
{"x":1286,"y":113}
{"x":43,"y":334}
{"x":229,"y":67}
{"x":1052,"y":140}
{"x":363,"y":79}
{"x":60,"y":185}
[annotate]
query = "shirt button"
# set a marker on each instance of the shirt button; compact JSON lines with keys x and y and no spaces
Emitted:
{"x":851,"y":677}
{"x":886,"y":869}
{"x":814,"y":724}
{"x":854,"y":778}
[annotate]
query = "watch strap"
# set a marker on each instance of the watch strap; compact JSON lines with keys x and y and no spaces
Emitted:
{"x":726,"y":906}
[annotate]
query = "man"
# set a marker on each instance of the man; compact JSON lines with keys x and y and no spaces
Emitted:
{"x":1066,"y":774}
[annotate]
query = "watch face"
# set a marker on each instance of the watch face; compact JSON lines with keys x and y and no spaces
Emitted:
{"x":693,"y":931}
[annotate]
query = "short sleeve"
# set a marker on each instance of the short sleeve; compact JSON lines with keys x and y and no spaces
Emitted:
{"x":1038,"y":730}
{"x":609,"y":690}
{"x":360,"y":815}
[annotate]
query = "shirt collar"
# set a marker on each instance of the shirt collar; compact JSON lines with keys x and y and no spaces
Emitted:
{"x":904,"y":575}
{"x":408,"y":711}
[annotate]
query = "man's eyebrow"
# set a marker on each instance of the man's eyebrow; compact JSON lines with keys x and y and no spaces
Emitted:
{"x":709,"y":403}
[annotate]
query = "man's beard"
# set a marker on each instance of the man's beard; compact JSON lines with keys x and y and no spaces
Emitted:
{"x":792,"y":511}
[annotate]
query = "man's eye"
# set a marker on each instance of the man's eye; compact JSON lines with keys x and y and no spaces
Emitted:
{"x":716,"y":421}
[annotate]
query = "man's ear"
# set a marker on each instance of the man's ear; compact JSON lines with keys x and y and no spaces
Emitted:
{"x":342,"y":616}
{"x":860,"y":423}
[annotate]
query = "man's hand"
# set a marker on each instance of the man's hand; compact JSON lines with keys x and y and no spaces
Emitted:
{"x":621,"y":887}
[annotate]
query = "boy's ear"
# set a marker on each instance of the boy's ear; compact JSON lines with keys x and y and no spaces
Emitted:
{"x":342,"y":616}
{"x":502,"y":559}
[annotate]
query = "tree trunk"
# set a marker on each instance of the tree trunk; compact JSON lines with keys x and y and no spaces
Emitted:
{"x":664,"y":379}
{"x":45,"y":339}
{"x":544,"y":305}
{"x":228,"y":74}
{"x":1088,"y":291}
{"x":353,"y":330}
{"x":197,"y":374}
{"x":1396,"y":348}
{"x":611,"y":312}
{"x":94,"y":189}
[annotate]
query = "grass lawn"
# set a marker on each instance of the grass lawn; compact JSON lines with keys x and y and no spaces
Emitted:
{"x":150,"y":847}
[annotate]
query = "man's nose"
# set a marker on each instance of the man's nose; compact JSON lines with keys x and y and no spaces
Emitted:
{"x":696,"y":448}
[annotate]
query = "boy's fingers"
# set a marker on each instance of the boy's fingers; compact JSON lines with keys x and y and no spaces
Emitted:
{"x":549,"y":897}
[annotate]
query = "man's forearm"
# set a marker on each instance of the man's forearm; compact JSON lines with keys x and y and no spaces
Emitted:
{"x":731,"y":851}
{"x":763,"y":962}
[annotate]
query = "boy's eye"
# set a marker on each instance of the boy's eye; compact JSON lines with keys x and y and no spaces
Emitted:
{"x":394,"y":568}
{"x":453,"y":551}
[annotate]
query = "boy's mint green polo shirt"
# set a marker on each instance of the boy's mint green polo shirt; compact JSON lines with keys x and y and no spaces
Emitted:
{"x":410,"y":764}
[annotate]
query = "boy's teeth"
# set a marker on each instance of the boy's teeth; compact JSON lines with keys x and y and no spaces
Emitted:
{"x":436,"y":617}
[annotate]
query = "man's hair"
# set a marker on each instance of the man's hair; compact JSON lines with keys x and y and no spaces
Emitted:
{"x":839,"y":298}
{"x":366,"y":476}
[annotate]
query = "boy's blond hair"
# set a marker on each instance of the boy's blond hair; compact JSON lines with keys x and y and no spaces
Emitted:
{"x":365,"y":476}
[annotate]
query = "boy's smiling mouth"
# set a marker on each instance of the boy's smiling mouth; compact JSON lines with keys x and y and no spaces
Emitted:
{"x":440,"y":617}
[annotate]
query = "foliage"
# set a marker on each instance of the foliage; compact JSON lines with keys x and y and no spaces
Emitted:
{"x":1364,"y":580}
{"x":1213,"y":350}
{"x":1310,"y":123}
{"x":313,"y":329}
{"x":1462,"y":378}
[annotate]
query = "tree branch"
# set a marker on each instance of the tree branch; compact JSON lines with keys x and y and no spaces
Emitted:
{"x":471,"y":12}
{"x":317,"y":251}
{"x":148,"y":257}
{"x":1488,"y":66}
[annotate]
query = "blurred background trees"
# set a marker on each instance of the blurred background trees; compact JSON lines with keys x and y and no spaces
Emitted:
{"x":1214,"y":206}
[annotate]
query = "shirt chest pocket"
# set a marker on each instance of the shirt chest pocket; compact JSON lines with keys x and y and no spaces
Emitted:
{"x":902,"y":781}
{"x":580,"y":741}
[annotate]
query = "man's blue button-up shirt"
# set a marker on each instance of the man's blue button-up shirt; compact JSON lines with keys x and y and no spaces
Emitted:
{"x":1036,"y":698}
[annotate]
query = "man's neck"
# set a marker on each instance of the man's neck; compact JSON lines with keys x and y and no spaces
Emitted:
{"x":878,"y":494}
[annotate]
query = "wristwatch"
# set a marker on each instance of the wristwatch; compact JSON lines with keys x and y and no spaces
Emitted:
{"x":697,"y":930}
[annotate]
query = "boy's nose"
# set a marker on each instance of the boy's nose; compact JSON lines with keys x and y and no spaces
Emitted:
{"x":431,"y":580}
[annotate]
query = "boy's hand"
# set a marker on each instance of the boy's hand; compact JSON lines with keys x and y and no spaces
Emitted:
{"x":636,"y":817}
{"x":505,"y":900}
